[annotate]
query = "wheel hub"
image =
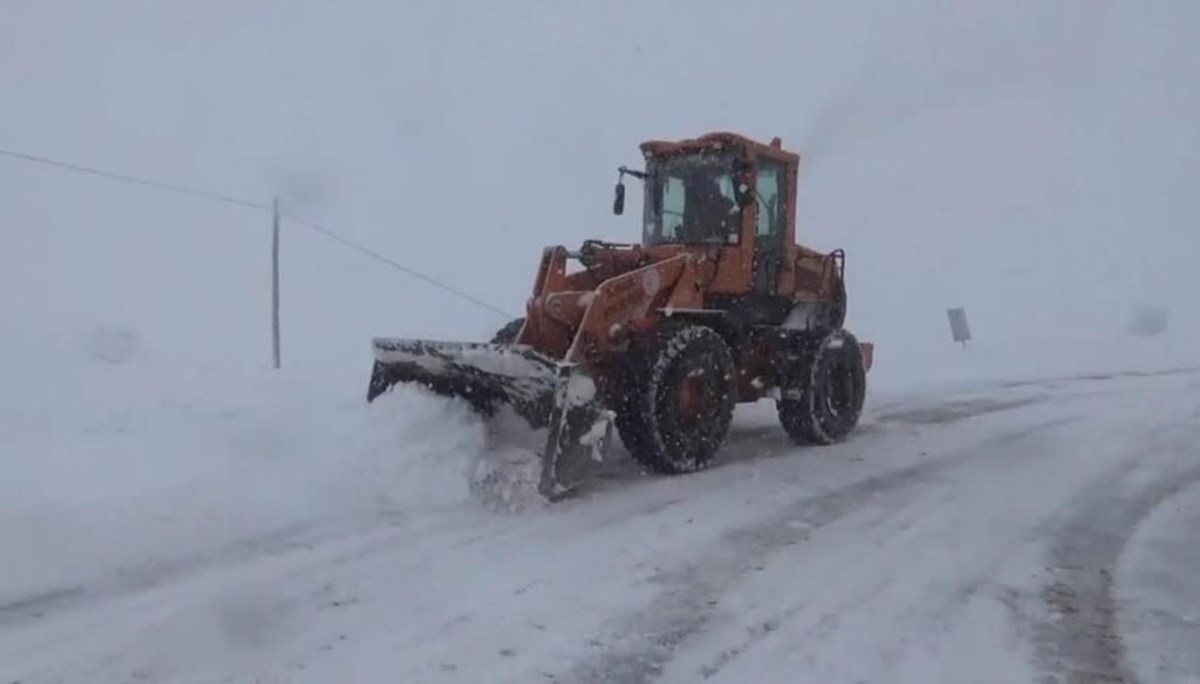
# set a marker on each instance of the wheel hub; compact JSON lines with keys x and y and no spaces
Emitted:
{"x":693,"y":398}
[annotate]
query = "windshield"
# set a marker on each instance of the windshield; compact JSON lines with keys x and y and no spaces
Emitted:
{"x":690,"y":200}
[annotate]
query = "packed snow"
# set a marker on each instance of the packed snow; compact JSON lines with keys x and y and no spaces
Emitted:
{"x":299,"y":537}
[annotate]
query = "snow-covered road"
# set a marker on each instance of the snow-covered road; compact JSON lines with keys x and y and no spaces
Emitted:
{"x":1021,"y":532}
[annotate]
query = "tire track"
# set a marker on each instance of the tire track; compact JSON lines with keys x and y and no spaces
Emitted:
{"x":132,"y":579}
{"x":690,"y":591}
{"x":1080,"y":640}
{"x":1157,"y":594}
{"x":754,"y":441}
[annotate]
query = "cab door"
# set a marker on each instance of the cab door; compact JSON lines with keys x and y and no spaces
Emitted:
{"x":769,"y":225}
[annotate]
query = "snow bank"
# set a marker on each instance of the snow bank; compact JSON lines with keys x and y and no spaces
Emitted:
{"x":139,"y":469}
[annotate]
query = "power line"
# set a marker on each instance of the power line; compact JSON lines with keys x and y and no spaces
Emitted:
{"x":132,"y":179}
{"x":251,"y":205}
{"x":394,"y":264}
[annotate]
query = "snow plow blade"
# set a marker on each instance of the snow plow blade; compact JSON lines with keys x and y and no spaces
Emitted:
{"x":551,"y":396}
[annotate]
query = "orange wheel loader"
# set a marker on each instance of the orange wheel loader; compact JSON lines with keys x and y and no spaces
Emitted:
{"x":715,"y":306}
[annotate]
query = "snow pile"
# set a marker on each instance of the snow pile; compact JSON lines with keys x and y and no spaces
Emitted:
{"x":140,"y":470}
{"x":504,"y":478}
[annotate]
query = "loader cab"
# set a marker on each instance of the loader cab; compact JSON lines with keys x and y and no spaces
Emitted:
{"x":726,"y":192}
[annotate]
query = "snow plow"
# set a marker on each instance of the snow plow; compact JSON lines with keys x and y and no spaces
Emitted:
{"x":716,"y":305}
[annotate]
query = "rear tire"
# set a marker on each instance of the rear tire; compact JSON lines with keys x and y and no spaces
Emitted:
{"x":508,"y":334}
{"x":831,"y":402}
{"x":678,"y":397}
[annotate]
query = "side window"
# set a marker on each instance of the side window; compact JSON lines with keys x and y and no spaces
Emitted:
{"x":673,"y":201}
{"x":770,"y":200}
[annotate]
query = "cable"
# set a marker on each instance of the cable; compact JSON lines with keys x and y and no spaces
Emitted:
{"x":131,"y":179}
{"x":394,"y":264}
{"x":251,"y":205}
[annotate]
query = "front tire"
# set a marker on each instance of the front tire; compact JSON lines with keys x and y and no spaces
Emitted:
{"x":830,"y":404}
{"x":678,"y":398}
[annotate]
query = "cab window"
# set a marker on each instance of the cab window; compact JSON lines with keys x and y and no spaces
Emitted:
{"x":769,"y":196}
{"x":691,"y":200}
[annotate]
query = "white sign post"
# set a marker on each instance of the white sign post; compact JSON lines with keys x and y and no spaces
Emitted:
{"x":275,"y":283}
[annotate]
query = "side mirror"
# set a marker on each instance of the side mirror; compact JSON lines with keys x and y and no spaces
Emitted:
{"x":619,"y":199}
{"x":619,"y":196}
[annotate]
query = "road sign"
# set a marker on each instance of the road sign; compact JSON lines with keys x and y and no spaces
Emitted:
{"x":958,"y":325}
{"x":1148,"y":321}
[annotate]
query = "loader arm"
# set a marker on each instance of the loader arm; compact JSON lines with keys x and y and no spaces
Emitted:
{"x":550,"y":389}
{"x":625,"y":300}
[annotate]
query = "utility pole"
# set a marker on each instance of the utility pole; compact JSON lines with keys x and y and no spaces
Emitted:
{"x":275,"y":283}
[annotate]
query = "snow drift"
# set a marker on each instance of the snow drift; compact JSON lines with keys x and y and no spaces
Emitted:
{"x":141,"y":469}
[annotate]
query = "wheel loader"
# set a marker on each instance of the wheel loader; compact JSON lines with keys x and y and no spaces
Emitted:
{"x":715,"y":305}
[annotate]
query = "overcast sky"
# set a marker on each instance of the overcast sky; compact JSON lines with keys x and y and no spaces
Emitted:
{"x":1035,"y":162}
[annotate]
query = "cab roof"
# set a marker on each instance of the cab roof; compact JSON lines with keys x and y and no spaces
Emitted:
{"x":719,"y":140}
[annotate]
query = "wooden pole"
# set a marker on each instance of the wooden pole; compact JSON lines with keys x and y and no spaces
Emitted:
{"x":275,"y":283}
